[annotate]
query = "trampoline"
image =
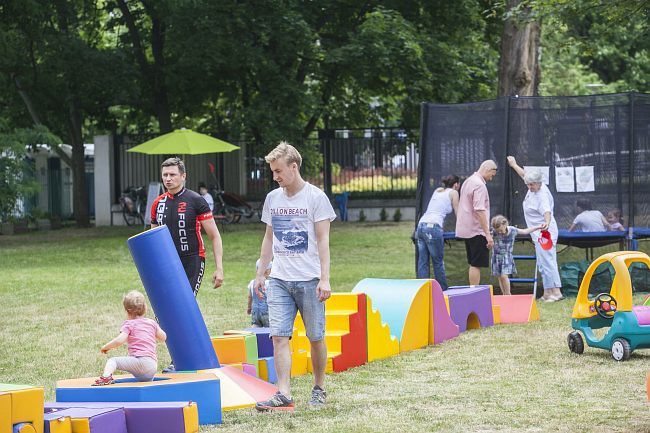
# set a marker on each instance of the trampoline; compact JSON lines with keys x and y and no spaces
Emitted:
{"x":593,"y":147}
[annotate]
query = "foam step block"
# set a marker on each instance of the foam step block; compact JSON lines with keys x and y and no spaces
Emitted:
{"x":345,"y":332}
{"x":142,"y":417}
{"x":267,"y":371}
{"x":264,"y":341}
{"x":94,"y":420}
{"x":21,"y":404}
{"x":56,"y":423}
{"x":203,"y":388}
{"x":470,"y":307}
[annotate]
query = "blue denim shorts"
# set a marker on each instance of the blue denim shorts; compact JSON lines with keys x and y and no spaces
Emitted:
{"x":286,"y":298}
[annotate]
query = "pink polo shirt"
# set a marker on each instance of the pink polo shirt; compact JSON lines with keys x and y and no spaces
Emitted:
{"x":142,"y":337}
{"x":473,"y":197}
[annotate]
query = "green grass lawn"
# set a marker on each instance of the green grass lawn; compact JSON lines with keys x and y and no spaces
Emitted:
{"x":61,"y":300}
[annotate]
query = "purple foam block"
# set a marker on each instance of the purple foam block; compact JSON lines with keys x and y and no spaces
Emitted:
{"x":264,"y":342}
{"x":467,"y":300}
{"x":100,"y":420}
{"x":141,"y":417}
{"x":443,"y":327}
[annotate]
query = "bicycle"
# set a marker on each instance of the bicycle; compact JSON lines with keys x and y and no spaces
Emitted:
{"x":230,"y":207}
{"x":133,"y":202}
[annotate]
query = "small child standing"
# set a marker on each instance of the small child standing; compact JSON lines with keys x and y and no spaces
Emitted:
{"x":258,"y":308}
{"x":140,"y":333}
{"x":503,"y":263}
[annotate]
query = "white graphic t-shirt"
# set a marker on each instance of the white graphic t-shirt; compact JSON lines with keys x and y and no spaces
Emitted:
{"x":295,"y":250}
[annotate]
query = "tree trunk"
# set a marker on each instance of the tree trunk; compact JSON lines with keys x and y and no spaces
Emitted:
{"x":519,"y":72}
{"x":79,"y":191}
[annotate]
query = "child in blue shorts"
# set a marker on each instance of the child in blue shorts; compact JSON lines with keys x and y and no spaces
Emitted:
{"x":258,"y":308}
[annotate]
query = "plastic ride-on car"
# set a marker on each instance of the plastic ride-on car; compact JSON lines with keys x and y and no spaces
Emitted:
{"x":629,"y":326}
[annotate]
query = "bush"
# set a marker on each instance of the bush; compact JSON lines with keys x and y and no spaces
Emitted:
{"x":397,"y":216}
{"x":383,"y":215}
{"x":362,"y":216}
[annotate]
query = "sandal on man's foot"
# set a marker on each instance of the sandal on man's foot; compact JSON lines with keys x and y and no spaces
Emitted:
{"x":277,"y":402}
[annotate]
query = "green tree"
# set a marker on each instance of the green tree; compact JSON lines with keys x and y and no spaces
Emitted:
{"x":63,"y":74}
{"x":15,"y":182}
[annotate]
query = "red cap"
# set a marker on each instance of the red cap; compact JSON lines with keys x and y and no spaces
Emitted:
{"x":545,"y":240}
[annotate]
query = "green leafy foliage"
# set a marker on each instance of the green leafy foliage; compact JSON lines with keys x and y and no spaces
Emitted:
{"x":16,"y":177}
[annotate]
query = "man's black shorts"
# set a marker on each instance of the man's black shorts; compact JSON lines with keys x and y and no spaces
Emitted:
{"x":478,"y":254}
{"x":194,"y":268}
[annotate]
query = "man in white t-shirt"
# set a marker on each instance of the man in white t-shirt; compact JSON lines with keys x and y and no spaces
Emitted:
{"x":588,"y":220}
{"x":297,"y":217}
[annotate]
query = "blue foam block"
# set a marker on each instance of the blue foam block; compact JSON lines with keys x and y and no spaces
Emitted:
{"x":206,"y":393}
{"x":172,"y":300}
{"x":264,"y":342}
{"x":270,"y":366}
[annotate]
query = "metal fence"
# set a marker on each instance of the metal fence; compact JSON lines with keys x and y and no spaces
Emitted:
{"x":369,"y":163}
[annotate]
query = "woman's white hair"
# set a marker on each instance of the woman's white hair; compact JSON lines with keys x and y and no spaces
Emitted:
{"x":533,"y":176}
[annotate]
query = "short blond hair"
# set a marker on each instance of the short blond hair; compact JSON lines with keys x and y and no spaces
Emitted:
{"x":286,"y":151}
{"x":134,"y":303}
{"x":499,"y":221}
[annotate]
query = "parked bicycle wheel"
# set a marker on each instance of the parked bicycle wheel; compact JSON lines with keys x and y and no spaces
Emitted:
{"x":130,"y":212}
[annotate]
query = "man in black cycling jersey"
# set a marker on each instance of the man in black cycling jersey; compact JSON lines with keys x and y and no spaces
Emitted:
{"x":184,"y":212}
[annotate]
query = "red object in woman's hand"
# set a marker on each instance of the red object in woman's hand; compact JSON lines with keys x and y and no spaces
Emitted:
{"x":545,"y":240}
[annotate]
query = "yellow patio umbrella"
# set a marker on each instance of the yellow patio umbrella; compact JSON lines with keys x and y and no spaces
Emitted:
{"x":183,"y":142}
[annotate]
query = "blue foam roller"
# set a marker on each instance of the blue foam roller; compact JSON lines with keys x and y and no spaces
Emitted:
{"x":172,"y":300}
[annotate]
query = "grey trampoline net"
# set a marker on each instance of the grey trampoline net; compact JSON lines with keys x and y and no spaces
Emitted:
{"x":593,"y":147}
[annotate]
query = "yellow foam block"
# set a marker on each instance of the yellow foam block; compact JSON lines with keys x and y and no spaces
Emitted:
{"x":230,"y":349}
{"x":191,"y":416}
{"x":534,"y":312}
{"x":496,"y":313}
{"x":343,"y":301}
{"x":380,"y":343}
{"x":26,"y":405}
{"x":5,"y":413}
{"x":80,"y":425}
{"x":329,"y":366}
{"x":416,"y":326}
{"x":298,"y":363}
{"x":61,"y":425}
{"x":25,"y":428}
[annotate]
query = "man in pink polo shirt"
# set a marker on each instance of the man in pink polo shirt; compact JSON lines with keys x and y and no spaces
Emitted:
{"x":472,"y":219}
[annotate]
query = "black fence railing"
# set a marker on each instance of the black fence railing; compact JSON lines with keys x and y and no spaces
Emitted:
{"x":369,"y":163}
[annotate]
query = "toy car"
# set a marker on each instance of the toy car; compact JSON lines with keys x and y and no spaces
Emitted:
{"x":629,"y":326}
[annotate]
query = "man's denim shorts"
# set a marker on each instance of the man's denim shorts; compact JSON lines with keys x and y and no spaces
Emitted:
{"x":286,"y":298}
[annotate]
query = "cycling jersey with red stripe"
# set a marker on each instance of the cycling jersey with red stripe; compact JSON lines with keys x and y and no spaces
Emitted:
{"x":182,"y":213}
